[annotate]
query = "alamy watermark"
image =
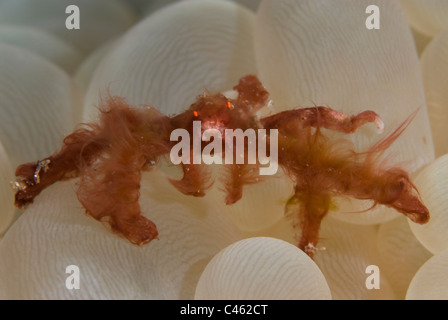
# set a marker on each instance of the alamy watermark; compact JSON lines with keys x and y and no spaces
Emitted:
{"x":212,"y":152}
{"x":373,"y":21}
{"x":72,"y":281}
{"x":373,"y":280}
{"x":73,"y":20}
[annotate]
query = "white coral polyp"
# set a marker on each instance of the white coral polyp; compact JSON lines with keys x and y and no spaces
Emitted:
{"x":259,"y":269}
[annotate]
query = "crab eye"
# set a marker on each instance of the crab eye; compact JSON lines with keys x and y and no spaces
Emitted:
{"x":196,"y":114}
{"x":229,"y":105}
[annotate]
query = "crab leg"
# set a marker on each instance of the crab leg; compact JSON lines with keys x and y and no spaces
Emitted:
{"x":80,"y":148}
{"x":306,"y":212}
{"x":194,"y":182}
{"x":322,"y":117}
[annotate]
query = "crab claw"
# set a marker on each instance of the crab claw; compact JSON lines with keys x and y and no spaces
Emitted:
{"x":410,"y":203}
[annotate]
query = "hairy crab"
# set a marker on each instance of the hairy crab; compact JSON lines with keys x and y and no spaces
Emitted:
{"x":109,"y":156}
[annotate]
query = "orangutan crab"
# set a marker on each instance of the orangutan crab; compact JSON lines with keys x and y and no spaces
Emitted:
{"x":109,"y":156}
